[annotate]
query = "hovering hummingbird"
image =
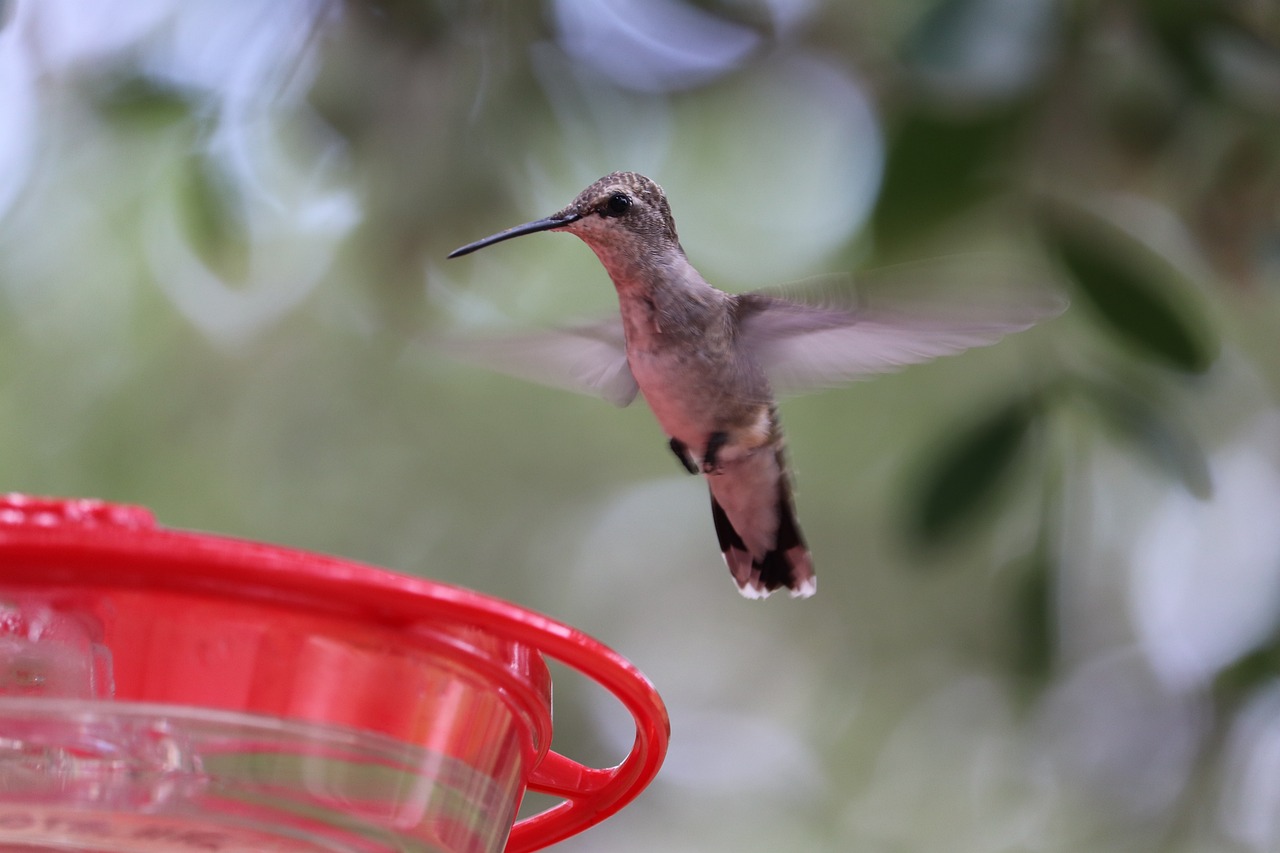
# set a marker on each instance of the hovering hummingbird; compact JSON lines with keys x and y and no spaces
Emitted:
{"x":709,"y":362}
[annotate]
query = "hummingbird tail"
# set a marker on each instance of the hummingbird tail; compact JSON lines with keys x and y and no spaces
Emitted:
{"x":786,"y":564}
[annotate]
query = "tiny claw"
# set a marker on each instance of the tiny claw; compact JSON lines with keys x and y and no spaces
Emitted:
{"x":682,"y":453}
{"x":715,"y":441}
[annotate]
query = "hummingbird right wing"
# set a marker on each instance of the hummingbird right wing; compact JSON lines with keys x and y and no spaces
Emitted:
{"x":590,"y":359}
{"x":804,"y":347}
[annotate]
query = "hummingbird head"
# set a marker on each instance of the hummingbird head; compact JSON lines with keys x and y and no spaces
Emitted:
{"x":623,"y":213}
{"x":623,"y":210}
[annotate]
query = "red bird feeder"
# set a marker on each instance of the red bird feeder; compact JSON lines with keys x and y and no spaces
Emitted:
{"x":165,"y":690}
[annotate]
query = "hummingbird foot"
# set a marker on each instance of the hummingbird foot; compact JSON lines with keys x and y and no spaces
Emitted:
{"x":715,"y":443}
{"x":681,"y":450}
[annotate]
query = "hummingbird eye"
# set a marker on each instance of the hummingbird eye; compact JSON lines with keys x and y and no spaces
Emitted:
{"x":617,"y":205}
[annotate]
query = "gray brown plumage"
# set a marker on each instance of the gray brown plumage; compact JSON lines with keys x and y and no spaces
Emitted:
{"x":709,"y":363}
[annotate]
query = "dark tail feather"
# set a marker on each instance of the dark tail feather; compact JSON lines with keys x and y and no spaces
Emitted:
{"x":787,"y":564}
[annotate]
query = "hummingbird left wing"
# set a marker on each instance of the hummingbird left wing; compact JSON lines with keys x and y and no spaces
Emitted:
{"x":590,"y":359}
{"x":804,"y":347}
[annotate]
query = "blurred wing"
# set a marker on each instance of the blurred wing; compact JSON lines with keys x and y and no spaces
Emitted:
{"x":590,"y":359}
{"x":804,"y":347}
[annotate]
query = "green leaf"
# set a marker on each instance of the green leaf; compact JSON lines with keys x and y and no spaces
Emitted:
{"x":1182,"y":29}
{"x":1128,"y":293}
{"x":1158,"y":433}
{"x":937,"y":167}
{"x":1035,"y":632}
{"x":967,"y":472}
{"x":1255,"y":669}
{"x":142,"y":101}
{"x":213,"y":217}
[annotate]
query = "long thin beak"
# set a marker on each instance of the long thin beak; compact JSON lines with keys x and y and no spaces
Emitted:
{"x":558,"y":221}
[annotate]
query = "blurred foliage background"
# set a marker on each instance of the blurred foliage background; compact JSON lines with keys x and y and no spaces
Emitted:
{"x":1050,"y":569}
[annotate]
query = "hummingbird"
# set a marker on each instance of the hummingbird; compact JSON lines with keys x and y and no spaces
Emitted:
{"x":709,"y":363}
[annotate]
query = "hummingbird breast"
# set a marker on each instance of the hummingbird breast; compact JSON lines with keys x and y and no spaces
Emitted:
{"x":695,"y":393}
{"x":683,"y":394}
{"x":684,"y":354}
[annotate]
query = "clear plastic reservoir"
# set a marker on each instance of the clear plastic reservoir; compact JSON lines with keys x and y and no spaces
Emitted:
{"x":147,"y":777}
